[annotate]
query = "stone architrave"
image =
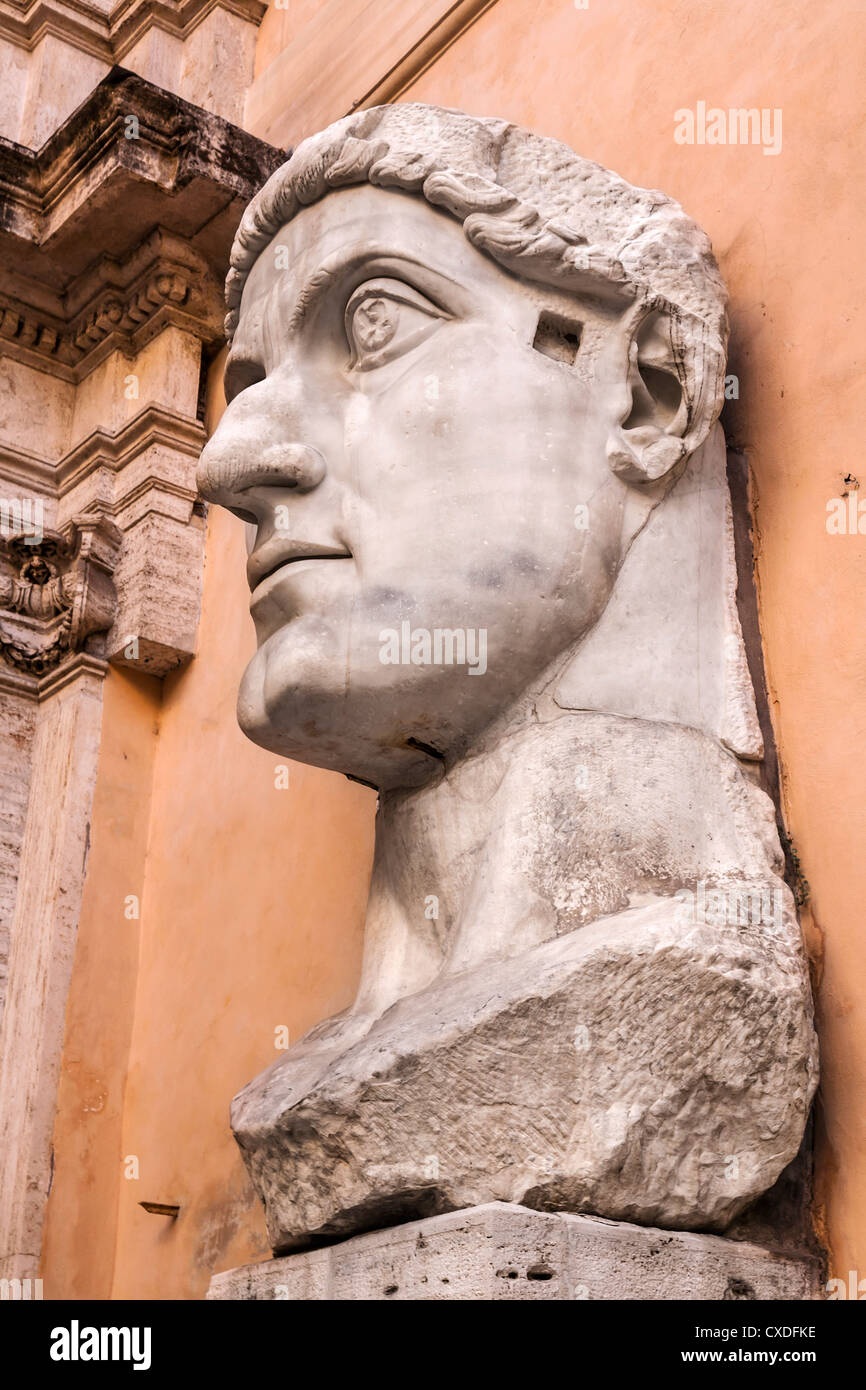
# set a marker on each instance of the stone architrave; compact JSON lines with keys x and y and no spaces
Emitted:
{"x":474,"y":382}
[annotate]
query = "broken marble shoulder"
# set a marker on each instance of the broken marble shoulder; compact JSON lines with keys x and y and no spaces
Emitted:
{"x":653,"y":1065}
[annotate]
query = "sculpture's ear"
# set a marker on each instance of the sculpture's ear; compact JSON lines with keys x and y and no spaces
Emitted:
{"x":665,"y":401}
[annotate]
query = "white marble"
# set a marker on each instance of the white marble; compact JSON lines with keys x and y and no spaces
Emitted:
{"x":473,"y":388}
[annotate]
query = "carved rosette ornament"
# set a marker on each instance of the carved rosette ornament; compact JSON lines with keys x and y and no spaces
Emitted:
{"x":56,"y":591}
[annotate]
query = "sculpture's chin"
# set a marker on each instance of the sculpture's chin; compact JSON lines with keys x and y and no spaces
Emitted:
{"x":340,"y":726}
{"x":251,"y":711}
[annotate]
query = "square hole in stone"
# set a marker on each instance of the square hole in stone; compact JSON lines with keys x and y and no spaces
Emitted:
{"x":557,"y":337}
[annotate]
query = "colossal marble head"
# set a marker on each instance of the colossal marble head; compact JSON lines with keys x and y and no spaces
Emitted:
{"x":465,"y":366}
{"x":468,"y":371}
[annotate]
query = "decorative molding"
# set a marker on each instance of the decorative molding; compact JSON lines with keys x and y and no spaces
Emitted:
{"x":107,"y":241}
{"x":131,"y":19}
{"x":187,"y":171}
{"x":24,"y":472}
{"x":114,"y":305}
{"x":154,"y":425}
{"x":17,"y":683}
{"x":55,"y":592}
{"x":110,"y":37}
{"x":143,"y":476}
{"x":37,"y":688}
{"x":79,"y":664}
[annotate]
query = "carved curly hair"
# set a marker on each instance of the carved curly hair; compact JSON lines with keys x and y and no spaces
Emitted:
{"x":530,"y":203}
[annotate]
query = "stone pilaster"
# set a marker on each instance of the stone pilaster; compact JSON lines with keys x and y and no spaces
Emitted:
{"x":114,"y":248}
{"x":64,"y":756}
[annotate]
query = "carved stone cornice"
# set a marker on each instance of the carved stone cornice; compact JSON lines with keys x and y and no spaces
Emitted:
{"x":116,"y":229}
{"x":112,"y":305}
{"x":107,"y":241}
{"x":131,"y":158}
{"x":111,"y":35}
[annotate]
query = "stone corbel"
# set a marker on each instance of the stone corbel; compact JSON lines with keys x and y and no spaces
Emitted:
{"x":117,"y":232}
{"x":56,"y":591}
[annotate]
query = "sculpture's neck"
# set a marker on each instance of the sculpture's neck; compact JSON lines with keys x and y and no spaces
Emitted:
{"x":567,"y":819}
{"x":609,"y":781}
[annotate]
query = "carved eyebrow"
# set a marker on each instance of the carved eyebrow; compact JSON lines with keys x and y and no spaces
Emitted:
{"x":314,"y":289}
{"x":244,"y":369}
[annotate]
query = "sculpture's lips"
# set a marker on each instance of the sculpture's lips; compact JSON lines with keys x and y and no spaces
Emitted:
{"x":265,"y":562}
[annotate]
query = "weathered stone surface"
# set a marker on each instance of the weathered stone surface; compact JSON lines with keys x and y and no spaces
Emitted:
{"x":114,"y":237}
{"x":473,"y":386}
{"x":645,"y":1067}
{"x":18,"y":715}
{"x":65,"y":752}
{"x":56,"y":592}
{"x":89,"y":190}
{"x":114,"y":252}
{"x":53,"y":54}
{"x":654,"y":656}
{"x":498,"y":1251}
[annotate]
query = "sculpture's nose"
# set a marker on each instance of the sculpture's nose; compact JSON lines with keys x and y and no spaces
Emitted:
{"x":248,"y":453}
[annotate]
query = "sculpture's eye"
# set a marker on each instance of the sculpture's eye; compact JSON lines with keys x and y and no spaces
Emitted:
{"x":385,"y":318}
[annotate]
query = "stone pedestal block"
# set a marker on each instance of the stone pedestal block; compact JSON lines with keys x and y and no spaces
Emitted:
{"x":502,"y":1251}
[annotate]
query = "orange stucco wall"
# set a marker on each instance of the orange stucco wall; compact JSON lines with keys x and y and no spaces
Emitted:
{"x":608,"y":80}
{"x":251,"y":909}
{"x":253,"y":897}
{"x":81,"y":1221}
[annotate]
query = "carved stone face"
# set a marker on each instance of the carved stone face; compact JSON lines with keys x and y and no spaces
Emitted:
{"x":420,"y":444}
{"x":36,"y":571}
{"x":442,"y":458}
